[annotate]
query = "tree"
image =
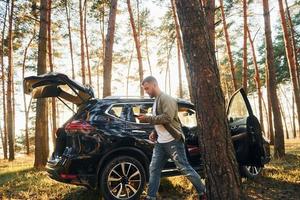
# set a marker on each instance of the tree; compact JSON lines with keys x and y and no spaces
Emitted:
{"x":291,"y":59}
{"x":220,"y":163}
{"x":86,"y":44}
{"x":50,"y":59}
{"x":10,"y":74}
{"x":109,"y":42}
{"x":271,"y":84}
{"x":67,"y":6}
{"x":41,"y":123}
{"x":137,"y":42}
{"x":180,"y":44}
{"x":3,"y":85}
{"x":82,"y":57}
{"x":245,"y":61}
{"x":257,"y":78}
{"x":228,"y":46}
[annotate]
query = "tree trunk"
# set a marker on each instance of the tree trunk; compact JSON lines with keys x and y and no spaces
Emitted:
{"x":291,"y":116}
{"x":245,"y":61}
{"x":284,"y":120}
{"x":278,"y":136}
{"x":290,"y":59}
{"x":82,"y":56}
{"x":109,"y":42}
{"x":103,"y":48}
{"x":128,"y":72}
{"x":41,"y":123}
{"x":50,"y":59}
{"x":26,"y":111}
{"x":257,"y":80}
{"x":70,"y":37}
{"x":293,"y":41}
{"x":209,"y":9}
{"x":294,"y":116}
{"x":179,"y":70}
{"x":220,"y":163}
{"x":137,"y":46}
{"x":179,"y":41}
{"x":228,"y":46}
{"x":10,"y":74}
{"x":147,"y":52}
{"x":3,"y":85}
{"x":86,"y":44}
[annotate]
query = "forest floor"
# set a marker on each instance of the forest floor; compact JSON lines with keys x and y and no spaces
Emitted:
{"x":280,"y":180}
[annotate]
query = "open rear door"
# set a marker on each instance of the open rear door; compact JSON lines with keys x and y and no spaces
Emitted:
{"x":57,"y":85}
{"x":245,"y":131}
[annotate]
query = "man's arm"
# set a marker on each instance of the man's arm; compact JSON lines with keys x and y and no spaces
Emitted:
{"x":169,"y":107}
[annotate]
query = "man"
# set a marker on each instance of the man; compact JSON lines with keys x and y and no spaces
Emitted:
{"x":169,"y":137}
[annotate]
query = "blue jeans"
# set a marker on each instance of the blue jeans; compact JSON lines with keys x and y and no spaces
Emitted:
{"x":176,"y":151}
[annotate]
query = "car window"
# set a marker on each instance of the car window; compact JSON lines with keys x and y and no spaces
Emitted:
{"x":137,"y":109}
{"x":187,"y":116}
{"x":237,"y":108}
{"x":118,"y":111}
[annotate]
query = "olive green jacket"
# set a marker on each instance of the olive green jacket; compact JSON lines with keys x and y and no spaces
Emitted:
{"x":167,"y":115}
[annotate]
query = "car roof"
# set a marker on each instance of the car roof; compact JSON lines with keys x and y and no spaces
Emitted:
{"x":117,"y":99}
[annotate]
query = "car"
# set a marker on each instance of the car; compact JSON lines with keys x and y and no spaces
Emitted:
{"x":103,"y":146}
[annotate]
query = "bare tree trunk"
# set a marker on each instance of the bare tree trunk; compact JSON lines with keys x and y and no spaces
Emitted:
{"x":228,"y":46}
{"x":10,"y":110}
{"x":279,"y":150}
{"x":289,"y":106}
{"x":128,"y":72}
{"x":137,"y":45}
{"x":86,"y":44}
{"x":290,"y":59}
{"x":103,"y":49}
{"x":82,"y":56}
{"x":293,"y":41}
{"x":294,"y":116}
{"x":50,"y":59}
{"x":220,"y":163}
{"x":107,"y":64}
{"x":3,"y":85}
{"x":70,"y":37}
{"x":147,"y":52}
{"x":284,"y":120}
{"x":26,"y":111}
{"x":179,"y":40}
{"x":179,"y":70}
{"x":257,"y":80}
{"x":209,"y":10}
{"x":245,"y":61}
{"x":41,"y":123}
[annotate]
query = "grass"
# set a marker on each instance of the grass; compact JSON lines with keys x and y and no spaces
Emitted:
{"x":280,"y":180}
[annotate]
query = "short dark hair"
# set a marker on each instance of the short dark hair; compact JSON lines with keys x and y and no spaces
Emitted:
{"x":149,"y":79}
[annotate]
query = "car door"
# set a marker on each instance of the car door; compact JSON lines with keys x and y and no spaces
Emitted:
{"x":245,"y":130}
{"x":57,"y":85}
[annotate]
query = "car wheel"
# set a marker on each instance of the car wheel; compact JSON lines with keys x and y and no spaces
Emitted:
{"x":250,"y":172}
{"x":122,"y":178}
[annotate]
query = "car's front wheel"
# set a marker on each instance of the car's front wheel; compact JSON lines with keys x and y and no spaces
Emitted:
{"x":250,"y":172}
{"x":122,"y":178}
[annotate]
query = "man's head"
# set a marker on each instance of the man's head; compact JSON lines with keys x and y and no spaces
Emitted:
{"x":150,"y":86}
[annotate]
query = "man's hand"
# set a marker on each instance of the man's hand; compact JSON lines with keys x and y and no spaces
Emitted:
{"x":153,"y":136}
{"x":142,"y":118}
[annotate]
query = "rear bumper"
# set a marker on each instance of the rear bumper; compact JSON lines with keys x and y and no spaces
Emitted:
{"x":59,"y":169}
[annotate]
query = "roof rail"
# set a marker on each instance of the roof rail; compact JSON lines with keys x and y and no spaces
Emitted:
{"x":126,"y":97}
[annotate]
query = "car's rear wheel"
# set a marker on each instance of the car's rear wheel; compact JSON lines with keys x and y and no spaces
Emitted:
{"x":250,"y":172}
{"x":122,"y":178}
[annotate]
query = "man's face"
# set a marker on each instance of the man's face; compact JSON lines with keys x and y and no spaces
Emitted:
{"x":149,"y":88}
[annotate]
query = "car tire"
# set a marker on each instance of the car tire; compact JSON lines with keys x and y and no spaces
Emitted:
{"x":250,"y":172}
{"x":122,"y":178}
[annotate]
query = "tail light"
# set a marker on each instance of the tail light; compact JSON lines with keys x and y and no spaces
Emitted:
{"x":78,"y":126}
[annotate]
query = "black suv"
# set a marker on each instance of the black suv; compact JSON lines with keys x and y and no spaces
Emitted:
{"x":105,"y":146}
